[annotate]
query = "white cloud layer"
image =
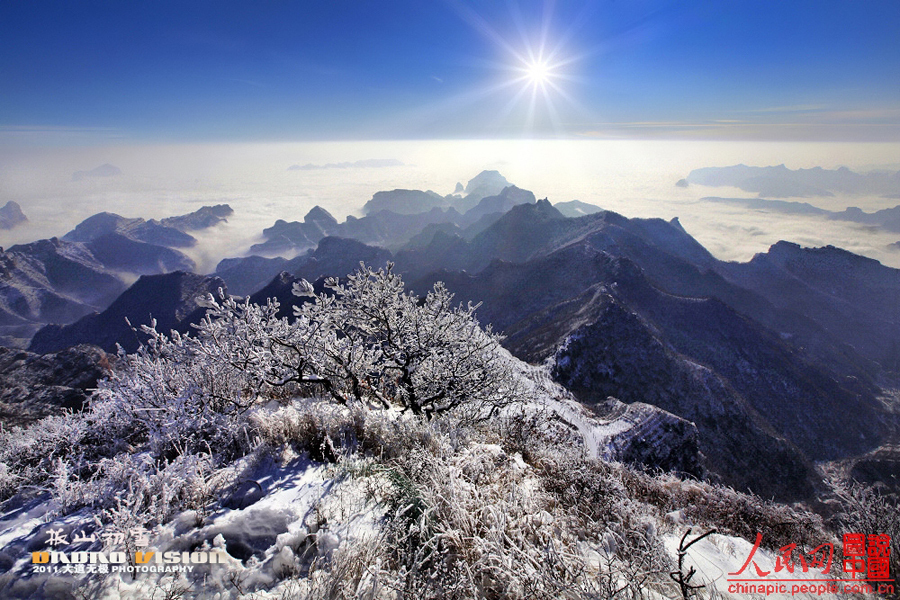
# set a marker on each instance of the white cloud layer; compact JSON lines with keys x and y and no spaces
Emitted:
{"x":634,"y":178}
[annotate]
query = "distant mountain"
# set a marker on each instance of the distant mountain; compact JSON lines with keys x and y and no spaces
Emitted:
{"x":67,"y":268}
{"x":171,"y":299}
{"x":508,"y":197}
{"x":393,"y":230}
{"x":404,"y":202}
{"x":11,"y":215}
{"x":106,"y":170}
{"x":486,"y":183}
{"x":333,"y":257}
{"x":777,"y":362}
{"x":168,"y":232}
{"x":202,"y":218}
{"x":121,"y":252}
{"x":336,"y":257}
{"x":62,"y":280}
{"x":783,"y":206}
{"x":393,"y":219}
{"x":50,"y":281}
{"x":138,"y":230}
{"x":249,"y":274}
{"x":513,"y":237}
{"x":781,"y":182}
{"x":888,"y":218}
{"x":576,"y":208}
{"x":371,"y":163}
{"x":286,"y":237}
{"x":856,"y":299}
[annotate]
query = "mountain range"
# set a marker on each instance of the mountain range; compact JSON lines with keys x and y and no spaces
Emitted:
{"x":781,"y":182}
{"x":778,"y":363}
{"x":887,"y":218}
{"x":62,"y":279}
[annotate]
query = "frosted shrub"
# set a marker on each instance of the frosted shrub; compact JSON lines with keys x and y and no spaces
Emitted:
{"x":31,"y":456}
{"x":426,"y":355}
{"x":180,"y":399}
{"x":366,"y":343}
{"x":726,"y":509}
{"x":477,"y":522}
{"x":865,"y":509}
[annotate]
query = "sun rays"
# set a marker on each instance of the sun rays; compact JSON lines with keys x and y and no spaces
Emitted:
{"x":534,"y":67}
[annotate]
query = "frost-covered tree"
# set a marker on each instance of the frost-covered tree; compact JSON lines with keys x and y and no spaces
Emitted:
{"x":425,"y":354}
{"x":365,"y":341}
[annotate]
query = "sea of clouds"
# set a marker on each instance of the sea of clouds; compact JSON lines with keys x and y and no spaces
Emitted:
{"x":634,"y":178}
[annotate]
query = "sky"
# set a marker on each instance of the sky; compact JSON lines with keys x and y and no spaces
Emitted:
{"x":224,"y":71}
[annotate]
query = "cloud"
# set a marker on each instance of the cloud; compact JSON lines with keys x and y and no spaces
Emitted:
{"x":633,"y":177}
{"x":789,"y":109}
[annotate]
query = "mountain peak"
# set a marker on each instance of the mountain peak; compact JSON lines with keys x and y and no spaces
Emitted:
{"x":317,"y":214}
{"x":487,"y":178}
{"x":104,"y":170}
{"x":11,"y":215}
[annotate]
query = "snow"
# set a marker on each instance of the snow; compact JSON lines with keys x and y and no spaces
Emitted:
{"x":309,"y":510}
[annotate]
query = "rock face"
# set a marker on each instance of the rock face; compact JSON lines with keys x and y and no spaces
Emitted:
{"x":647,"y":435}
{"x":11,"y":215}
{"x":617,"y":354}
{"x":34,"y":386}
{"x":171,"y":299}
{"x":880,"y":467}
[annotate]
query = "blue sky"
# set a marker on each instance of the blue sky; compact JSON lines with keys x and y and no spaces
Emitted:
{"x":270,"y":70}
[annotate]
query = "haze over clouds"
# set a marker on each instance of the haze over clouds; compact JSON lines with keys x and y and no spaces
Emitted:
{"x":636,"y":179}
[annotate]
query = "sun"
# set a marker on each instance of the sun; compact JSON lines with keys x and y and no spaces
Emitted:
{"x":538,"y":72}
